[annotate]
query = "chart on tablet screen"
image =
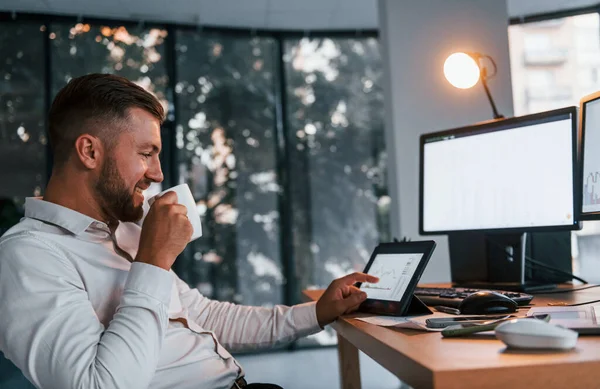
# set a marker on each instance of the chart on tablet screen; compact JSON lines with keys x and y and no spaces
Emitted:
{"x":394,"y":272}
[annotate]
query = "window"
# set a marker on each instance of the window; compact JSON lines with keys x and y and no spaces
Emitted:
{"x":540,"y":78}
{"x":586,"y":31}
{"x":538,"y":50}
{"x":22,"y":118}
{"x":335,"y":124}
{"x":575,"y":74}
{"x":225,"y":135}
{"x":132,"y":52}
{"x":587,"y":39}
{"x":534,"y":42}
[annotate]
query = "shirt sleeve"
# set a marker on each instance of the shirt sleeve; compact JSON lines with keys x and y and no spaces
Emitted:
{"x":241,"y":327}
{"x":49,"y":330}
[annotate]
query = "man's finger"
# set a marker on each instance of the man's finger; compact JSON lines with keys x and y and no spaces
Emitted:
{"x":348,"y":290}
{"x":167,"y":198}
{"x":179,"y":208}
{"x":353,"y":299}
{"x":361,"y":296}
{"x":357,"y":277}
{"x":353,"y":309}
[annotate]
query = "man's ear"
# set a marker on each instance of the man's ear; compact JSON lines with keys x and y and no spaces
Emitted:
{"x":89,"y":151}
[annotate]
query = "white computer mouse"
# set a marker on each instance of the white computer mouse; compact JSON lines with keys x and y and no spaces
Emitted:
{"x":535,"y":334}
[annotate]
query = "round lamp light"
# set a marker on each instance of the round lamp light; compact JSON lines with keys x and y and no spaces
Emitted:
{"x":461,"y":70}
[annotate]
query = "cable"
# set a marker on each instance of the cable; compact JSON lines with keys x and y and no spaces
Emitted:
{"x":575,"y":305}
{"x":540,"y":264}
{"x":538,"y":276}
{"x":553,"y":269}
{"x":568,"y":290}
{"x":558,"y":290}
{"x":548,"y":280}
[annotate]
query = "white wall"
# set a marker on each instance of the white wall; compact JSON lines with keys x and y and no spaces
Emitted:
{"x":417,"y":36}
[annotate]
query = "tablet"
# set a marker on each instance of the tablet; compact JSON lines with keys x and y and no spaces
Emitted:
{"x":399,"y":266}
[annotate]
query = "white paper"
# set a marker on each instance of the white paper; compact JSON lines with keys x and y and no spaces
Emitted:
{"x":412,"y":322}
{"x":384,"y":321}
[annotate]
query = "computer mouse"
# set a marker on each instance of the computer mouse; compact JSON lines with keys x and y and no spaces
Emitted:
{"x":487,"y":301}
{"x":535,"y":334}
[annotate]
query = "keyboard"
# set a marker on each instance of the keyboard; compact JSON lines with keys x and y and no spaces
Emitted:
{"x":452,"y":297}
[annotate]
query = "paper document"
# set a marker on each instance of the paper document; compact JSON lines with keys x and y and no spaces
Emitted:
{"x":412,"y":322}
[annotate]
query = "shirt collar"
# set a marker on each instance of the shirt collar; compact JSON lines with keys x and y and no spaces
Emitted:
{"x":64,"y":217}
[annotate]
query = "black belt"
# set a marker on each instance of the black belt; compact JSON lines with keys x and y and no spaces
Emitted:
{"x":239,"y":383}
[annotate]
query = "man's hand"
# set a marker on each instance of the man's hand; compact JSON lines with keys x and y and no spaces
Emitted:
{"x":342,"y":297}
{"x":165,"y":232}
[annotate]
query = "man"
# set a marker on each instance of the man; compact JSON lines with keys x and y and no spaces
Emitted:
{"x":87,"y":297}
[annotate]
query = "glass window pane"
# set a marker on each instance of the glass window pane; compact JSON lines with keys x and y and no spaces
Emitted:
{"x":554,"y":64}
{"x":132,"y":52}
{"x":226,"y":145}
{"x":22,"y":119}
{"x":335,"y":123}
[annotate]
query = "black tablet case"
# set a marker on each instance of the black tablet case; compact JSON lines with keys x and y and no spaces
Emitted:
{"x":416,"y":307}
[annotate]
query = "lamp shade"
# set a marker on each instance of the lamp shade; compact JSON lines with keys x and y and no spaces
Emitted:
{"x":461,"y":70}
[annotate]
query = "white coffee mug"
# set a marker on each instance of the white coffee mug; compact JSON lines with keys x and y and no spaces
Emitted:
{"x":184,"y":197}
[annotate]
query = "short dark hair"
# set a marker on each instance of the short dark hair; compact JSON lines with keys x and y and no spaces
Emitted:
{"x":95,"y":104}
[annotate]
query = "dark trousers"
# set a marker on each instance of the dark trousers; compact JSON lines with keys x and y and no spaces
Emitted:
{"x":262,"y":386}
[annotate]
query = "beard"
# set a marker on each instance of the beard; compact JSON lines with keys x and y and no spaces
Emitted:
{"x":116,"y":198}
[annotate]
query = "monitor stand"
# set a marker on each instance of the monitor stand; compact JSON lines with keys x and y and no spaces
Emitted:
{"x":491,"y":261}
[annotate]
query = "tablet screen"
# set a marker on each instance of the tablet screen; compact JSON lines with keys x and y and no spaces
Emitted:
{"x":395,"y":272}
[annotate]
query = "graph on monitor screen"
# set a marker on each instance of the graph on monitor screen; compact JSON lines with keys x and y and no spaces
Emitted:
{"x":591,"y":189}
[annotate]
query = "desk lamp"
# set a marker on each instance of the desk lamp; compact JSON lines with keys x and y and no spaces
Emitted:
{"x":463,"y":70}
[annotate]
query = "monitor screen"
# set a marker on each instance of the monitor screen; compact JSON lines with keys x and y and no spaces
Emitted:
{"x":590,"y":132}
{"x":514,"y":174}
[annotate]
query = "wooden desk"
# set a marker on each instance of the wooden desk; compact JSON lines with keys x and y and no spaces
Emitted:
{"x":427,"y":360}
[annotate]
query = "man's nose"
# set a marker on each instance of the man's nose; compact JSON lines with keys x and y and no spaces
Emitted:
{"x":155,"y":173}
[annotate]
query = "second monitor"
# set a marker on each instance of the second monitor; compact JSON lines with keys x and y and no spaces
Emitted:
{"x":489,"y":184}
{"x":590,"y":158}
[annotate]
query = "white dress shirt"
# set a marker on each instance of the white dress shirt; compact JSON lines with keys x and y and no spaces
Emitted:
{"x":75,"y":312}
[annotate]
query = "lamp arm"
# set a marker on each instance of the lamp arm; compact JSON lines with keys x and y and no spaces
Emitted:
{"x":489,"y":96}
{"x":493,"y":64}
{"x":484,"y":76}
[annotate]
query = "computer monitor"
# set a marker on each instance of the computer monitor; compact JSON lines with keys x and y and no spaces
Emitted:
{"x":496,"y":181}
{"x":590,"y":156}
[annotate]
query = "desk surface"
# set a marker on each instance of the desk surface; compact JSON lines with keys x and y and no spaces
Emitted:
{"x":427,"y":360}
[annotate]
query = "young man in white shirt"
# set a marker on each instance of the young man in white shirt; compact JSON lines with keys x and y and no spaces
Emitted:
{"x":88,"y":299}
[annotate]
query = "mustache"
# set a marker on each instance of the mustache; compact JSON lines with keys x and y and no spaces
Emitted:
{"x":144,"y":184}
